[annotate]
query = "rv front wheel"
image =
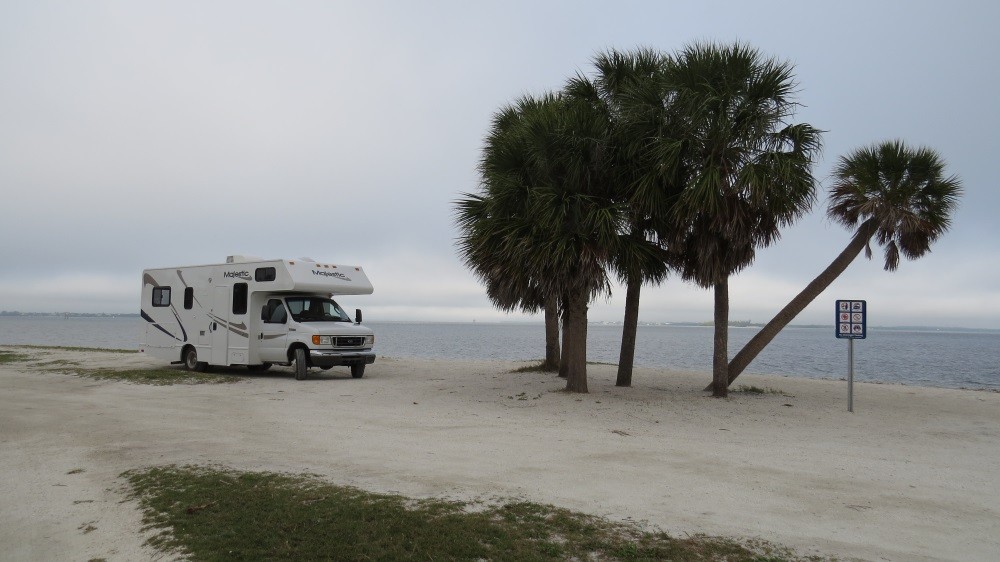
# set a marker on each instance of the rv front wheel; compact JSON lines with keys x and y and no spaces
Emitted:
{"x":191,"y":362}
{"x":301,"y":364}
{"x":357,"y":371}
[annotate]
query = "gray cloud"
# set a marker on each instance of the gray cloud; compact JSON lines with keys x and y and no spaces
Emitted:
{"x":137,"y":135}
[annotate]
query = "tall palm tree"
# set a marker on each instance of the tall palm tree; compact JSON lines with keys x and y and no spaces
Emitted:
{"x":748,"y":168}
{"x":897,"y":195}
{"x":628,"y":87}
{"x":485,"y":222}
{"x":547,"y":220}
{"x":632,"y":88}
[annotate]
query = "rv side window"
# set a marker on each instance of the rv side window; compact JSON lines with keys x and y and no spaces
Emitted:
{"x":188,"y":298}
{"x":264,"y":274}
{"x":240,"y":298}
{"x":274,"y":312}
{"x":161,"y":296}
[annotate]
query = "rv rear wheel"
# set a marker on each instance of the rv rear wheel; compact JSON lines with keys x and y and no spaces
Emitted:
{"x":357,"y":371}
{"x":191,"y":362}
{"x":301,"y":364}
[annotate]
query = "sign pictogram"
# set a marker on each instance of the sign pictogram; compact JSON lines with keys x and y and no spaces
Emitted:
{"x":852,"y":319}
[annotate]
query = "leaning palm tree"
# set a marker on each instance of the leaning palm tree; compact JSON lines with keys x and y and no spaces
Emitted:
{"x":899,"y":196}
{"x":748,"y":168}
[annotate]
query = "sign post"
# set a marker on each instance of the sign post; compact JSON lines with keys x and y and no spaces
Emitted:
{"x":851,"y":324}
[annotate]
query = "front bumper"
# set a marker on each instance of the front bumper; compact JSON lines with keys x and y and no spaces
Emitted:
{"x":331,"y":358}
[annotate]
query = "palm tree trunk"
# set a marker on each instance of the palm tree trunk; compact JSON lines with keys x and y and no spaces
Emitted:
{"x":720,"y":355}
{"x":566,"y":344}
{"x":801,"y":300}
{"x":551,"y":334}
{"x":627,"y":355}
{"x":575,"y":343}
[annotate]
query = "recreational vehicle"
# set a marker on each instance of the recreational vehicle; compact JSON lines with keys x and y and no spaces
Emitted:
{"x":256,"y":313}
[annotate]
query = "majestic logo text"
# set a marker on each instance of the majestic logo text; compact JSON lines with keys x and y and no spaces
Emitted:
{"x":237,"y":274}
{"x":332,"y":274}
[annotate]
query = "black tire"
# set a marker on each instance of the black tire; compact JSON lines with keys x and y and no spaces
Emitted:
{"x":357,"y":371}
{"x":191,"y":362}
{"x":300,"y":364}
{"x":258,"y":368}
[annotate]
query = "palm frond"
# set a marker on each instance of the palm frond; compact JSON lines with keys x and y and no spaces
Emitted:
{"x":904,"y":190}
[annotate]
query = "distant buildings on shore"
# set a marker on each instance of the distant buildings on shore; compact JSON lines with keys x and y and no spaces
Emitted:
{"x":65,"y":314}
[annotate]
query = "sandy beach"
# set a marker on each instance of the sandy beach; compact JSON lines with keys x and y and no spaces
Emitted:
{"x":910,"y":475}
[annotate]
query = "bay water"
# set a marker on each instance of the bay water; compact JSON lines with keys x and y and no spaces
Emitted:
{"x":920,"y":357}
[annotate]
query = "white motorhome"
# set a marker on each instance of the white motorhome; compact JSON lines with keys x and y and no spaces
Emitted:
{"x":256,"y":313}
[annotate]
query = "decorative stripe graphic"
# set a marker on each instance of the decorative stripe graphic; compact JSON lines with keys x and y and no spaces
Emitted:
{"x":238,"y":329}
{"x":179,"y":323}
{"x":160,"y":328}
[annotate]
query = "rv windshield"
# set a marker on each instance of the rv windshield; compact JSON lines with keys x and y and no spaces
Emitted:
{"x":316,"y":309}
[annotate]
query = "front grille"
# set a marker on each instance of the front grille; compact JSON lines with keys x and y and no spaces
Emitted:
{"x":349,"y":341}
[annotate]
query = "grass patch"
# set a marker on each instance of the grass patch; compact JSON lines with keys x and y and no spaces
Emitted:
{"x":215,"y":514}
{"x":58,"y":363}
{"x":12,"y":357}
{"x":537,"y":368}
{"x":158,"y":377}
{"x":751,"y":389}
{"x":62,"y":348}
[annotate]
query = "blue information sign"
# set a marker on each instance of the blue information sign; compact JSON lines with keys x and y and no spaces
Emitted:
{"x":852,"y":319}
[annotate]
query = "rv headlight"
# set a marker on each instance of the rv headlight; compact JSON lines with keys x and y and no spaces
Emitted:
{"x":370,"y":340}
{"x":321,"y":340}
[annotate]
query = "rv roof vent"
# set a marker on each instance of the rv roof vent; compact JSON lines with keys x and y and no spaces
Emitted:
{"x":241,"y":259}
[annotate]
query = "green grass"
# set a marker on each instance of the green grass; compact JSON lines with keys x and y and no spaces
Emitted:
{"x":751,"y":389}
{"x":159,"y":377}
{"x":12,"y":357}
{"x":217,"y":514}
{"x":540,"y":367}
{"x":58,"y":362}
{"x":66,"y":348}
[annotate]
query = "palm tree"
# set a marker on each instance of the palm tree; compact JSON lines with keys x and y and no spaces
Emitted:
{"x":485,"y":223}
{"x":897,"y":195}
{"x":547,"y":220}
{"x":628,"y":88}
{"x":748,"y":169}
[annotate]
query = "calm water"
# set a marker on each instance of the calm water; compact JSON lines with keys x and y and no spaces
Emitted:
{"x":923,"y":358}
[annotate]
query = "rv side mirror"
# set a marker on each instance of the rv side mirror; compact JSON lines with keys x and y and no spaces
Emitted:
{"x":357,"y":315}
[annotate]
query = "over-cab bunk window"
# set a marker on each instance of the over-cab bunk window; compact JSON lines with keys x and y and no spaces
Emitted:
{"x":161,"y":296}
{"x":265,"y":274}
{"x":240,"y":298}
{"x":188,"y":298}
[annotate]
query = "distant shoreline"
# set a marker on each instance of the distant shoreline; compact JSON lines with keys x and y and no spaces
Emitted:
{"x":733,"y":324}
{"x":16,"y":314}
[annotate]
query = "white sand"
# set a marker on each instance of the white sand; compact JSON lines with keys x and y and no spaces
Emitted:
{"x":911,"y":475}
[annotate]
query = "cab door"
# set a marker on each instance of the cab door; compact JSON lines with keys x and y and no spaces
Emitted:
{"x":273,"y":337}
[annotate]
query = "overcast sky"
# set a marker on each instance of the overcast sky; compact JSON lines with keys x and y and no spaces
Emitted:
{"x":140,"y":134}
